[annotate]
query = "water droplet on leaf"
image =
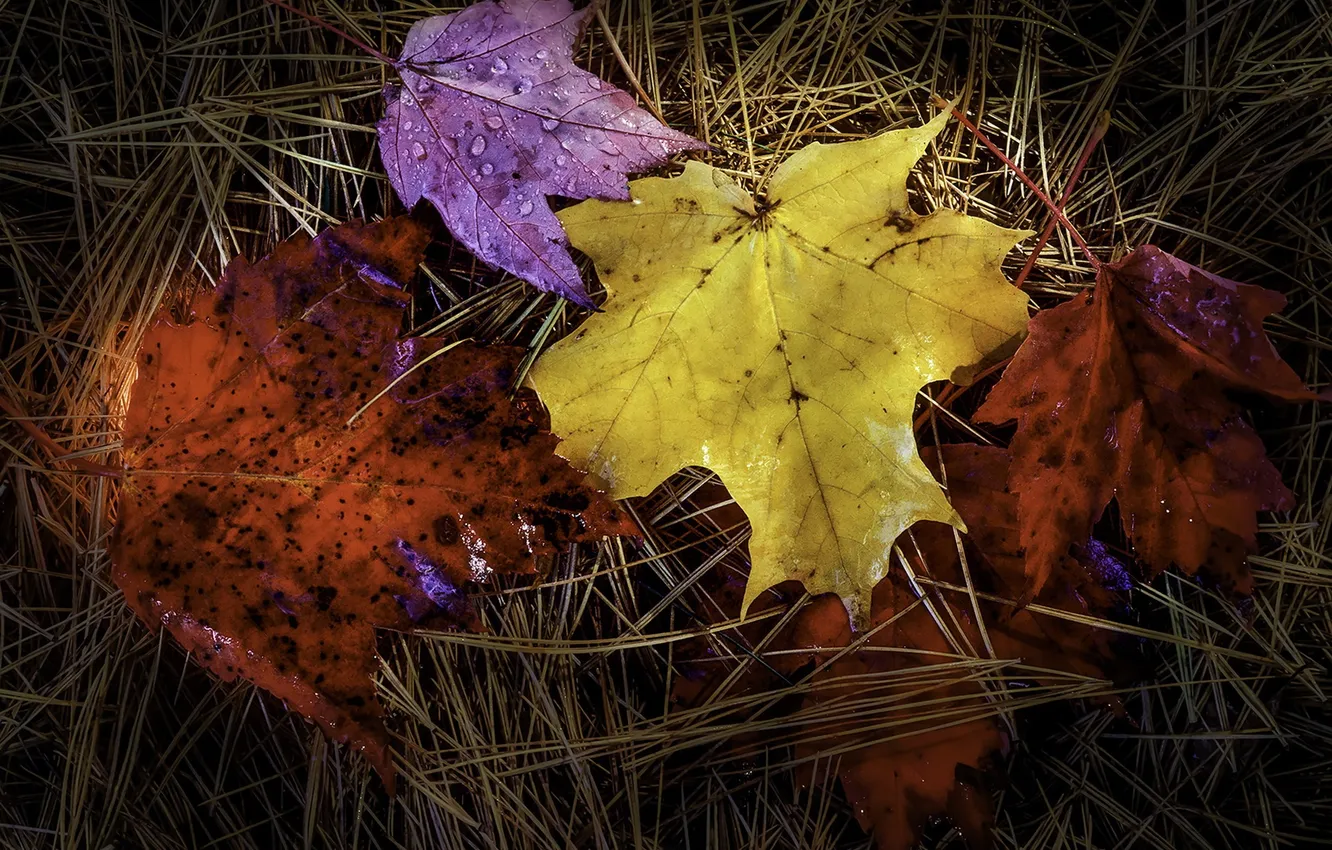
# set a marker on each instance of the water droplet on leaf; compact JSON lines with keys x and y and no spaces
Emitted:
{"x":536,"y":71}
{"x":525,"y":208}
{"x":419,"y":151}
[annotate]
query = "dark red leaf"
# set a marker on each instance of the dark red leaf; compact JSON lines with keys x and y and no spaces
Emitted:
{"x":1122,"y":394}
{"x":1087,"y":582}
{"x":899,"y":766}
{"x":902,"y":766}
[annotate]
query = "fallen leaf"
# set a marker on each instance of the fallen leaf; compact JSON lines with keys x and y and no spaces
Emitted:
{"x":901,"y":727}
{"x":1122,"y":393}
{"x":493,"y":116}
{"x":912,"y":737}
{"x":1089,"y":582}
{"x":782,"y":346}
{"x":270,"y":534}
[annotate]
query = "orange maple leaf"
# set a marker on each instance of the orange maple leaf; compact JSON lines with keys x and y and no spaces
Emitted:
{"x":297,"y":475}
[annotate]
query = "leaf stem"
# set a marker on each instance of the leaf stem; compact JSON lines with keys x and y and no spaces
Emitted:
{"x":20,"y":418}
{"x":326,"y":25}
{"x":1098,"y":132}
{"x":1031,"y":184}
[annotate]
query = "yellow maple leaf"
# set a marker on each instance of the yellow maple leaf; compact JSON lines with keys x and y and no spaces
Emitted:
{"x":782,"y":345}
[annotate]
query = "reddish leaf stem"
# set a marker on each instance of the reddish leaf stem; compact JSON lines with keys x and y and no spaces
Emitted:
{"x":1031,"y":184}
{"x":1098,"y":132}
{"x":59,"y":452}
{"x":326,"y":25}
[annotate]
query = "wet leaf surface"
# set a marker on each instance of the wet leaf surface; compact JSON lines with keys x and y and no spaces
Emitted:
{"x":1124,"y":393}
{"x":493,"y":116}
{"x":782,"y":346}
{"x":269,"y":535}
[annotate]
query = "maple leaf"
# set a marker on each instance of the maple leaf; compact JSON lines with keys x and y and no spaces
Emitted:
{"x":900,"y":767}
{"x":493,"y":116}
{"x":1121,"y":394}
{"x":782,"y":348}
{"x":270,"y":534}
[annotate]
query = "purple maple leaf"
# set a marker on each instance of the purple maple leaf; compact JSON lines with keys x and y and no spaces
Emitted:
{"x":492,"y":116}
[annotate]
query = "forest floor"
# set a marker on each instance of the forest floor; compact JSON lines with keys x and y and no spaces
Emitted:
{"x":147,"y":145}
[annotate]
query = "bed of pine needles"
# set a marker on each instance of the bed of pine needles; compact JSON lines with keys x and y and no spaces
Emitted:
{"x":147,"y":144}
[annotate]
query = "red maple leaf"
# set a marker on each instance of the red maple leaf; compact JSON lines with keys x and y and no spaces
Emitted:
{"x":297,"y":475}
{"x":1122,"y":393}
{"x":899,"y":720}
{"x":909,"y":727}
